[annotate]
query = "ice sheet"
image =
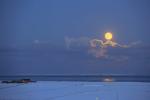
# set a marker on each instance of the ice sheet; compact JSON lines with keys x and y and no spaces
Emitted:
{"x":50,"y":90}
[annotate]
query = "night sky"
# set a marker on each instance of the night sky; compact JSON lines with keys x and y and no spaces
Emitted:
{"x":33,"y":36}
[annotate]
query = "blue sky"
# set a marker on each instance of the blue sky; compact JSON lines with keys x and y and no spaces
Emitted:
{"x":48,"y":22}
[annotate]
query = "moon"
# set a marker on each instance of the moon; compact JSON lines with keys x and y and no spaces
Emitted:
{"x":108,"y":36}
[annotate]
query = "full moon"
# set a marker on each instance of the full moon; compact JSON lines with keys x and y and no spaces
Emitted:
{"x":108,"y":36}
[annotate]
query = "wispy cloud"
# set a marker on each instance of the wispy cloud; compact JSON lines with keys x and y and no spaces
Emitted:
{"x":76,"y":42}
{"x":99,"y":50}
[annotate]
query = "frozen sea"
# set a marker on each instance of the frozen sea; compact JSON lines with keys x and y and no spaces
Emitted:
{"x":75,"y":90}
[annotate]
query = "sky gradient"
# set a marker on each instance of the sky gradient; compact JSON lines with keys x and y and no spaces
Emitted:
{"x":33,"y":34}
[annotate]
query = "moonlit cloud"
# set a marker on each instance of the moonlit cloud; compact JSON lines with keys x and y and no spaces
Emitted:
{"x":98,"y":48}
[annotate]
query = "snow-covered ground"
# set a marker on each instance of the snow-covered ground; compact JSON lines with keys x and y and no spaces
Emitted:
{"x":50,"y":90}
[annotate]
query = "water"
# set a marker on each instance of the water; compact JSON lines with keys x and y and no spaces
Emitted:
{"x":89,"y":78}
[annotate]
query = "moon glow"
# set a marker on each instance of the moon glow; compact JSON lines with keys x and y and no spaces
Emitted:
{"x":108,"y":36}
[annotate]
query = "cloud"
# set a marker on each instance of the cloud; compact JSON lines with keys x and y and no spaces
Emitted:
{"x":76,"y":42}
{"x":133,"y":44}
{"x":100,"y":49}
{"x":36,"y":41}
{"x":98,"y":53}
{"x":41,"y":42}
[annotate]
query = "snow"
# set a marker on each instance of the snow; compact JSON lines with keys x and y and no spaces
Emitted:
{"x":51,"y":90}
